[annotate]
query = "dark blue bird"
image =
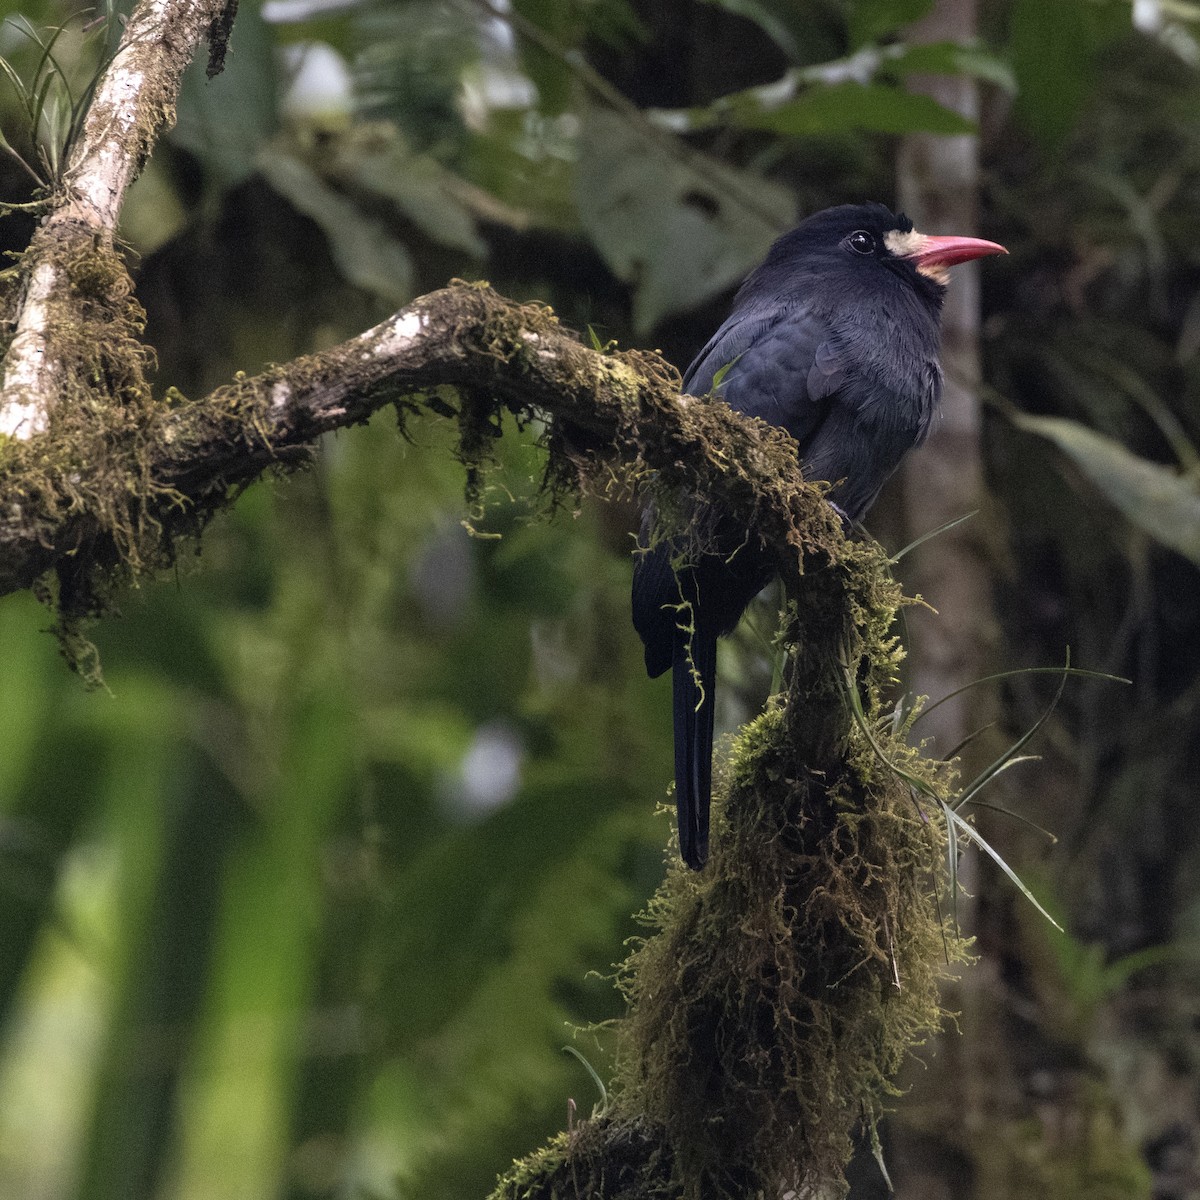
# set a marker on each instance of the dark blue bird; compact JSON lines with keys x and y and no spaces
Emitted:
{"x":835,"y":337}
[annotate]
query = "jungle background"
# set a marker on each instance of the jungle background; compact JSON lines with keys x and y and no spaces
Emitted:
{"x":307,"y":900}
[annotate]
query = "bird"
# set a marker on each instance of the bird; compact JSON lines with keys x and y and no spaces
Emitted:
{"x":834,"y":337}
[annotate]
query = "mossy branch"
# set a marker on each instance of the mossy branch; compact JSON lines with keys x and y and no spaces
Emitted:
{"x":133,"y":101}
{"x":114,"y":483}
{"x":779,"y":989}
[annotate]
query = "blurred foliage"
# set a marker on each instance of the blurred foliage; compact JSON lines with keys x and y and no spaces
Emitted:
{"x":307,"y":903}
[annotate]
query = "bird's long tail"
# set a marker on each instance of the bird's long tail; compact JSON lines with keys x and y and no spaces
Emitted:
{"x":694,"y":674}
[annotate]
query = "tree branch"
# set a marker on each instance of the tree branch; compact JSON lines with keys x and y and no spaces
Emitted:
{"x":133,"y":101}
{"x":464,"y":351}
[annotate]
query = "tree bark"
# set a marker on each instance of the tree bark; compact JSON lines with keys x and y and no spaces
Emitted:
{"x":933,"y":1137}
{"x":133,"y":101}
{"x":938,"y":181}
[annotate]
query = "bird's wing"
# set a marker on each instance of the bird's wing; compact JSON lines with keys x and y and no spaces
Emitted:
{"x":782,"y":363}
{"x":871,"y":424}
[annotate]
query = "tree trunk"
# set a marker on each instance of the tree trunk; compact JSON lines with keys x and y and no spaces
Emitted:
{"x":932,"y":1141}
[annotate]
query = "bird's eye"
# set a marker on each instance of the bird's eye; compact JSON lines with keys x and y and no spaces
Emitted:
{"x":861,"y":242}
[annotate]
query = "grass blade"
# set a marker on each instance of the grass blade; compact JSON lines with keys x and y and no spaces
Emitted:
{"x":18,"y":84}
{"x":1074,"y":672}
{"x":8,"y":147}
{"x":1016,"y":816}
{"x":952,"y":860}
{"x":877,"y":1155}
{"x":1010,"y":755}
{"x":931,"y":534}
{"x":967,"y":741}
{"x":973,"y":835}
{"x":602,"y":1107}
{"x":47,"y":47}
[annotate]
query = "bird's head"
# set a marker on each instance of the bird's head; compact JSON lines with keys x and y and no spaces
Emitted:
{"x":858,"y":240}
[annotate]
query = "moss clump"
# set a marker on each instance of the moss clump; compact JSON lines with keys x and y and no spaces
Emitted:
{"x":616,"y":1158}
{"x":86,"y":487}
{"x":783,"y":987}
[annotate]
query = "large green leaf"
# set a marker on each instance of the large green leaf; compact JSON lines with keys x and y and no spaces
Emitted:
{"x":846,"y":108}
{"x":681,"y":231}
{"x":1155,"y":498}
{"x":363,"y":247}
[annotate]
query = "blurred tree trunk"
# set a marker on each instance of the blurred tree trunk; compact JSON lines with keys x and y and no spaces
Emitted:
{"x":938,"y":187}
{"x":931,"y":1142}
{"x":1012,"y":1104}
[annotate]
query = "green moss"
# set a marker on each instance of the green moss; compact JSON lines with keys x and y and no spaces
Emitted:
{"x":90,"y":477}
{"x":618,"y":1159}
{"x":781,"y":989}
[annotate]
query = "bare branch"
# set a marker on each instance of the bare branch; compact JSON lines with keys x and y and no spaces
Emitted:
{"x":133,"y":101}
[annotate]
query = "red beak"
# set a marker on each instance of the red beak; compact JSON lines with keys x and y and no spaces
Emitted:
{"x":947,"y":251}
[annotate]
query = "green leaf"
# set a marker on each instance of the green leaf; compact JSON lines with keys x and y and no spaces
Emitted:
{"x":719,"y":376}
{"x":931,"y":534}
{"x":1074,"y":672}
{"x":871,"y":19}
{"x":1053,"y":47}
{"x":847,"y":108}
{"x":953,"y":58}
{"x":952,"y":853}
{"x":972,"y":834}
{"x":877,"y":1155}
{"x":678,"y":228}
{"x":1156,"y":499}
{"x":366,"y":252}
{"x":1012,"y":754}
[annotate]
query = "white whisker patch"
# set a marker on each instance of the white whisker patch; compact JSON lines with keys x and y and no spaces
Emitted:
{"x":903,"y":244}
